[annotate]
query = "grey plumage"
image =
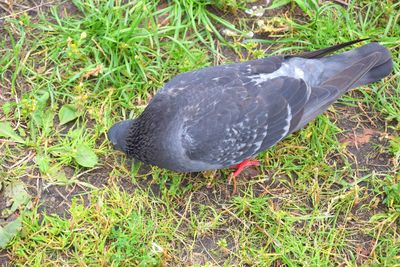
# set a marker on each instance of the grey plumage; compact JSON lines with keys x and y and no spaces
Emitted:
{"x":219,"y":116}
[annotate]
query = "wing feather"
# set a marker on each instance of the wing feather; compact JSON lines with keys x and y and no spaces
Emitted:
{"x":242,"y":120}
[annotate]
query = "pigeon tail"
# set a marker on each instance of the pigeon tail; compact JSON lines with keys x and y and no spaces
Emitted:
{"x":366,"y":70}
{"x":381,"y":69}
{"x":325,"y":51}
{"x":337,"y":63}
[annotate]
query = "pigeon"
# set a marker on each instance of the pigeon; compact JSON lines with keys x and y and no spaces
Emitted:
{"x":222,"y":116}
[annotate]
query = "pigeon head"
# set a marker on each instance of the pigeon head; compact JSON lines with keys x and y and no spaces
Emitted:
{"x":118,"y":134}
{"x":146,"y":137}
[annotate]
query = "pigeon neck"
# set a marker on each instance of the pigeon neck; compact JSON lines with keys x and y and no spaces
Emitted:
{"x":140,"y":143}
{"x":145,"y":141}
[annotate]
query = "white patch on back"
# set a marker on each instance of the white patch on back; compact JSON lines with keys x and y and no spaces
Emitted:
{"x":308,"y":90}
{"x":286,"y":69}
{"x":298,"y":73}
{"x":288,"y":119}
{"x":258,"y":145}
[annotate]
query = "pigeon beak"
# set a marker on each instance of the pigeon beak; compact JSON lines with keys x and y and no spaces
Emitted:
{"x":112,"y":136}
{"x":117,"y":134}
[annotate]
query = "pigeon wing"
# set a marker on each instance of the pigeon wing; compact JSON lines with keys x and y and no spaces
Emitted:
{"x":230,"y":123}
{"x":218,"y":76}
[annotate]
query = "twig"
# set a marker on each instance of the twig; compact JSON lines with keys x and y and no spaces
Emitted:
{"x":8,"y":141}
{"x":27,"y":158}
{"x":206,"y":250}
{"x":366,"y":114}
{"x":85,"y":172}
{"x":26,"y":10}
{"x":341,"y":2}
{"x":11,"y":5}
{"x":182,"y":217}
{"x":4,"y":8}
{"x":63,"y":197}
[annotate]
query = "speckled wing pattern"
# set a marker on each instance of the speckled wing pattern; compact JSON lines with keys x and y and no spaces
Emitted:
{"x":233,"y":112}
{"x":235,"y":117}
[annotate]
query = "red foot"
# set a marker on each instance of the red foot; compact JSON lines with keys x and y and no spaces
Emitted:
{"x":239,"y":168}
{"x":244,"y":164}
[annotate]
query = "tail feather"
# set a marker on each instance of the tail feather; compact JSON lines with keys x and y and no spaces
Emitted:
{"x":346,"y":78}
{"x":336,"y":63}
{"x":325,"y":51}
{"x":331,"y":89}
{"x":340,"y":73}
{"x":378,"y":72}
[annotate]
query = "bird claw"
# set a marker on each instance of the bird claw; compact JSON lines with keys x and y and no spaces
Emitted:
{"x":239,"y":168}
{"x":231,"y":178}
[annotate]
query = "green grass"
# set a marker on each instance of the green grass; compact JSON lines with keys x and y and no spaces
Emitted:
{"x":115,"y":227}
{"x":315,"y":200}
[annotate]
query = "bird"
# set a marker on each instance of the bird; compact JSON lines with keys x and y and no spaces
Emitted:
{"x":223,"y":116}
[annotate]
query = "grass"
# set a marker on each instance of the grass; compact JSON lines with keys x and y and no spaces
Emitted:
{"x":114,"y":227}
{"x":319,"y":198}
